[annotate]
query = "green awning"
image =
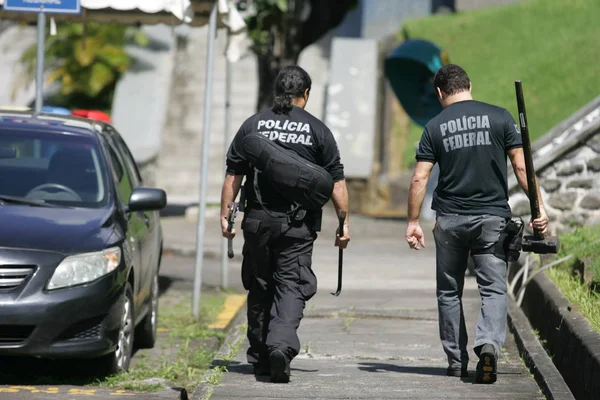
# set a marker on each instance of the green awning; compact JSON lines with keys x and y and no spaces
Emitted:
{"x":410,"y":68}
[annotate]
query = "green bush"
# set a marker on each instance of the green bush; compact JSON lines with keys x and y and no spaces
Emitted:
{"x":87,"y":61}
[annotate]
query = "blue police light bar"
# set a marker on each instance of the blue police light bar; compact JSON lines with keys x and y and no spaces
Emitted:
{"x":45,"y":6}
{"x":56,"y":110}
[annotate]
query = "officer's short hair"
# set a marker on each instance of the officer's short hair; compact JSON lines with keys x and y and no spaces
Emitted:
{"x":452,"y":79}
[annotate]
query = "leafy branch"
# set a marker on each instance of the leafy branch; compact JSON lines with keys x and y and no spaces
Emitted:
{"x":85,"y":59}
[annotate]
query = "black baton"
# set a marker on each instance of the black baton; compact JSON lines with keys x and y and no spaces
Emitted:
{"x":230,"y":248}
{"x":534,"y":204}
{"x":342,"y":218}
{"x":233,"y":208}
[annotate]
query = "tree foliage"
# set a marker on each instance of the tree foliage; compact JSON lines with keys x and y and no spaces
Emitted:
{"x":281,"y":29}
{"x":86,"y":60}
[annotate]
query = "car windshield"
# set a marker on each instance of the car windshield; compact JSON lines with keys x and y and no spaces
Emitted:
{"x":41,"y":167}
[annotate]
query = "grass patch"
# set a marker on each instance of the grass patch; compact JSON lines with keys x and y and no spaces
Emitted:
{"x":548,"y":44}
{"x":347,"y":322}
{"x":214,"y":376}
{"x":194,"y":343}
{"x":584,"y":244}
{"x":588,"y":302}
{"x":181,"y":323}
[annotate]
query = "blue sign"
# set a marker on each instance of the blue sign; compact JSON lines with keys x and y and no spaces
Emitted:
{"x":45,"y":6}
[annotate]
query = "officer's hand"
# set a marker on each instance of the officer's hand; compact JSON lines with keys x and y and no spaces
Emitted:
{"x":414,"y":236}
{"x":342,"y":242}
{"x":541,"y":223}
{"x":226,"y":234}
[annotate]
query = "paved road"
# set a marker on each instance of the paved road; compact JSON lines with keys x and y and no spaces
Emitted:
{"x":379,"y":339}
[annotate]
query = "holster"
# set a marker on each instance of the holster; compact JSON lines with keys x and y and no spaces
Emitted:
{"x":242,"y":205}
{"x":311,"y":218}
{"x":510,"y":243}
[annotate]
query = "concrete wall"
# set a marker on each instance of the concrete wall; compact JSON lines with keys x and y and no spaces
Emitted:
{"x":14,"y":40}
{"x":181,"y":147}
{"x":142,"y":96}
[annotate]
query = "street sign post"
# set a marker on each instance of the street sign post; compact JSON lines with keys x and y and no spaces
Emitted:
{"x":45,"y":6}
{"x":42,"y":7}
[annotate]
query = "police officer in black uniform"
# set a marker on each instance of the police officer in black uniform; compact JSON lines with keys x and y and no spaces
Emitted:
{"x":470,"y":140}
{"x":278,"y":246}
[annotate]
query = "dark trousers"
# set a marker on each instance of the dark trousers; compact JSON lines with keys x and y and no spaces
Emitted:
{"x":277,"y":273}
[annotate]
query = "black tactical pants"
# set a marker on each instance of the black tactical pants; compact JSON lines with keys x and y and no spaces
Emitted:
{"x":277,"y":273}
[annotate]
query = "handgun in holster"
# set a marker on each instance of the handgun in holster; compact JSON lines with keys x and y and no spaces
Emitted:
{"x":510,"y":243}
{"x":312,"y":219}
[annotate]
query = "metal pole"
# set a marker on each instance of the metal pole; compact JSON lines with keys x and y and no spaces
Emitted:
{"x":39,"y":77}
{"x":224,"y":258}
{"x":212,"y":33}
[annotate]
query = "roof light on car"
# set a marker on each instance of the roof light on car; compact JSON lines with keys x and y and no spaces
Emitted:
{"x":84,"y":268}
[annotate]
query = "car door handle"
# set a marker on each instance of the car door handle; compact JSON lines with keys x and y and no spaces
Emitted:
{"x":146,"y":220}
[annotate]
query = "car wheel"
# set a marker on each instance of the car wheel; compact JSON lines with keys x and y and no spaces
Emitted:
{"x":118,"y":361}
{"x":145,"y":336}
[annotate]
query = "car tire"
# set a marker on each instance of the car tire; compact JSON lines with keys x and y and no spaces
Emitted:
{"x":145,"y":336}
{"x":118,"y":361}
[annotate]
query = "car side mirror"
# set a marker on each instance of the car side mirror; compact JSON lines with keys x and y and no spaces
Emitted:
{"x":147,"y":199}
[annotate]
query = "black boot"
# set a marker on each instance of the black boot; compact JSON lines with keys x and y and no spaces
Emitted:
{"x":486,"y":367}
{"x":280,"y":367}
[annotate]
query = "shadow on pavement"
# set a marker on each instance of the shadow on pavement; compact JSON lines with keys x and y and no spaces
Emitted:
{"x":32,"y":371}
{"x":471,"y":377}
{"x":174,"y":210}
{"x":382,"y":367}
{"x":247,"y":369}
{"x":164,"y":283}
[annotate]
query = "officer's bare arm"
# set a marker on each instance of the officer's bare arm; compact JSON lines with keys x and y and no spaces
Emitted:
{"x":340,"y":198}
{"x":231,"y":187}
{"x":517,"y":159}
{"x":418,"y":186}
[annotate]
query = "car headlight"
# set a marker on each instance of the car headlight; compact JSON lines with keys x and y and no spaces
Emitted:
{"x":83,"y":268}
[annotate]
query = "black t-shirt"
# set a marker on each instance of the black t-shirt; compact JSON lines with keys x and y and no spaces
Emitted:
{"x":469,"y":140}
{"x":298,"y":131}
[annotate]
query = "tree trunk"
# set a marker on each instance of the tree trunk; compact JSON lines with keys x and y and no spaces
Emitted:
{"x":267,"y":72}
{"x":284,"y":50}
{"x":268,"y":67}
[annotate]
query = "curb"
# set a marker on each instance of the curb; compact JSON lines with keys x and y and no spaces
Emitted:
{"x":185,"y":251}
{"x":235,"y":331}
{"x":574,"y":345}
{"x":546,"y":374}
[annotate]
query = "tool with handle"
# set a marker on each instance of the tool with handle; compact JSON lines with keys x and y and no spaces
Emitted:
{"x":538,"y":243}
{"x":342,"y":218}
{"x":233,"y":208}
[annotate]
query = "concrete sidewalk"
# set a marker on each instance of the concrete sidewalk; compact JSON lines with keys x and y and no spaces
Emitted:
{"x":379,"y":339}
